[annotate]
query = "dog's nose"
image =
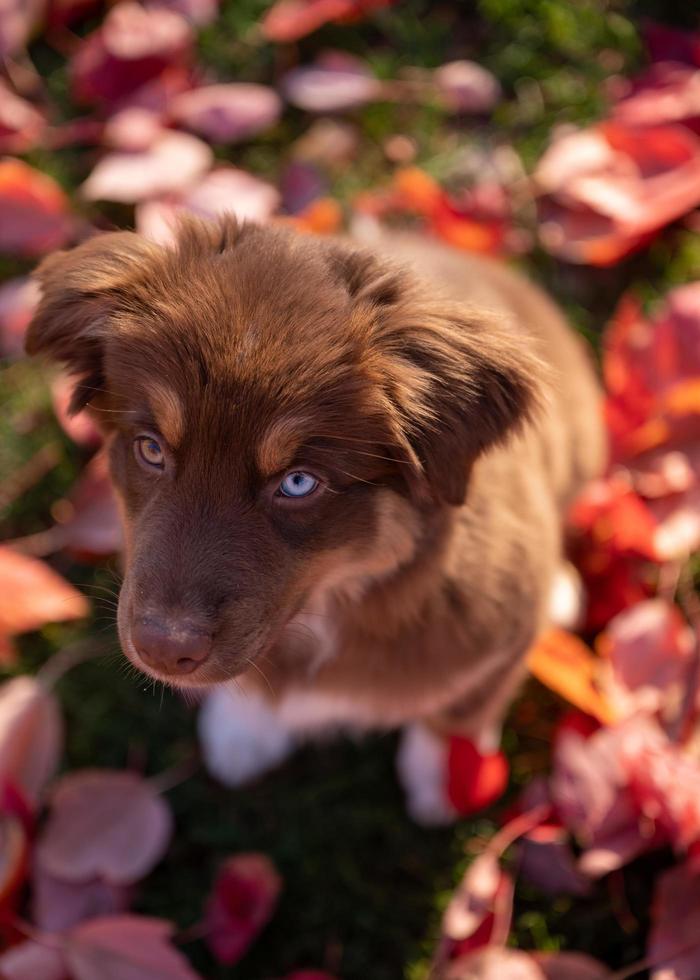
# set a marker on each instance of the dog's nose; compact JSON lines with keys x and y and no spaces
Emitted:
{"x":170,"y":646}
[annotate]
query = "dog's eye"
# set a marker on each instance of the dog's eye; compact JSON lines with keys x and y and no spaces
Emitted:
{"x":298,"y":484}
{"x":149,"y":451}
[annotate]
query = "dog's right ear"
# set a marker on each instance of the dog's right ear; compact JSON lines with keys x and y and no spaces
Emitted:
{"x":80,"y":291}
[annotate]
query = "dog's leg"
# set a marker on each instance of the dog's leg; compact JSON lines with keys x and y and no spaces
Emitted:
{"x":241,"y":735}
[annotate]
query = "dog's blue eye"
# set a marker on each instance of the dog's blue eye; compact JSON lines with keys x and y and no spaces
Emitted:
{"x":298,"y":484}
{"x":149,"y":451}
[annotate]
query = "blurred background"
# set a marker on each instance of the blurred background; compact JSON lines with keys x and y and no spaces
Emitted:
{"x":561,"y":135}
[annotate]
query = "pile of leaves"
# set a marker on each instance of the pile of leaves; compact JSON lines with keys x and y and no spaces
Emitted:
{"x":300,"y":111}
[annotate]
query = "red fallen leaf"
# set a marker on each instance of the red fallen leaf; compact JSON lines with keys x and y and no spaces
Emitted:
{"x":131,"y":48}
{"x":198,"y":12}
{"x":335,"y":82}
{"x":666,"y":93}
{"x":14,"y":852}
{"x":104,"y":824}
{"x":173,"y":162}
{"x":18,"y":300}
{"x":651,"y":366}
{"x":494,"y":964}
{"x":21,"y":124}
{"x":608,"y":189}
{"x":571,"y":966}
{"x":671,"y":44}
{"x":664,"y":780}
{"x":241,"y":904}
{"x":81,"y":427}
{"x":567,"y":666}
{"x":91,"y":527}
{"x":648,"y":650}
{"x":32,"y":594}
{"x":474,"y":780}
{"x":32,"y":960}
{"x":31,"y":736}
{"x":17,"y":21}
{"x":289,"y":20}
{"x":34,"y":210}
{"x":616,"y":517}
{"x":590,"y":789}
{"x":125,"y":947}
{"x":674,"y":940}
{"x":59,"y":905}
{"x":466,"y":86}
{"x":223,"y":190}
{"x":227,"y":113}
{"x":62,"y":13}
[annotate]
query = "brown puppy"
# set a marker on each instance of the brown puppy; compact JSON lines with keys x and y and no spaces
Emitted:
{"x":342,"y":477}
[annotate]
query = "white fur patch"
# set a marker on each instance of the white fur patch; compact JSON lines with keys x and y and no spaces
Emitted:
{"x":241,"y":735}
{"x":566,"y":600}
{"x":422,"y":767}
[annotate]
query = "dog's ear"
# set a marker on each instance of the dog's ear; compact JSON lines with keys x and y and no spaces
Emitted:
{"x":458,"y":380}
{"x":80,"y":291}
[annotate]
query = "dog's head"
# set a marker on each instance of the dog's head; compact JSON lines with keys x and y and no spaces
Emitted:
{"x":279,"y":412}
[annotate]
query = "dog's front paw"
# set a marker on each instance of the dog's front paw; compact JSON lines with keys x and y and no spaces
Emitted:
{"x":446,"y":777}
{"x":241,"y":736}
{"x":422,"y":765}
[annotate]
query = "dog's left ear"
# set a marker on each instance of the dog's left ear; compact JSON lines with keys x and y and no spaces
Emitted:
{"x":458,"y":380}
{"x":80,"y":291}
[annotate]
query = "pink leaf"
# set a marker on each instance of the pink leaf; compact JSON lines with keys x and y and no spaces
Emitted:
{"x":80,"y":428}
{"x":494,"y":964}
{"x":591,"y":792}
{"x":125,"y":947}
{"x":674,"y":939}
{"x":91,"y":526}
{"x":227,"y":113}
{"x":173,"y":162}
{"x":31,"y":736}
{"x":241,"y":904}
{"x":132,"y":48}
{"x":467,"y":87}
{"x":18,"y":300}
{"x":288,"y":20}
{"x":59,"y":905}
{"x":610,"y":188}
{"x":223,"y":191}
{"x":667,"y":93}
{"x":571,"y":966}
{"x":33,"y":961}
{"x":649,"y":648}
{"x":34,"y":210}
{"x":17,"y":20}
{"x":474,"y":898}
{"x":198,"y":12}
{"x":21,"y":124}
{"x":337,"y":81}
{"x":104,"y":824}
{"x":32,"y":594}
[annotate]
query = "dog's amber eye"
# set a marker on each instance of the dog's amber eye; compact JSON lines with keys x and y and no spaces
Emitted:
{"x":298,"y":484}
{"x":149,"y":451}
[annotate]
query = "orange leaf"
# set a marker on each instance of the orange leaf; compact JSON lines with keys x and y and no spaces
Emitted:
{"x":563,"y":663}
{"x":32,"y":594}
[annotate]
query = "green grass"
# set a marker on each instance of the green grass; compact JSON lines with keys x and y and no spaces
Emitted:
{"x":364,"y":887}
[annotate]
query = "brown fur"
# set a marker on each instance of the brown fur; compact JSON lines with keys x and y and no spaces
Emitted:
{"x":441,"y":399}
